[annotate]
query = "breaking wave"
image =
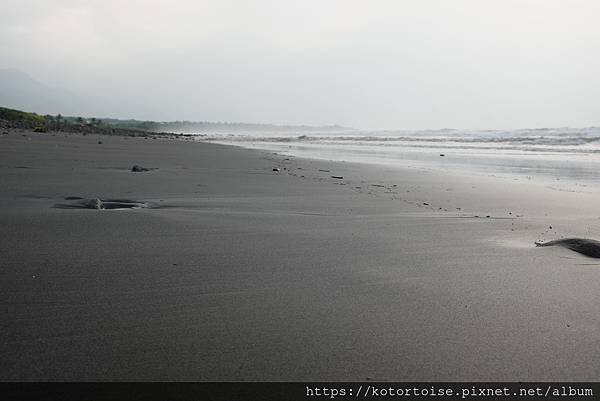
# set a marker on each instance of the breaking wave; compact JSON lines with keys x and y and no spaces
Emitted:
{"x":557,"y":154}
{"x":586,"y":140}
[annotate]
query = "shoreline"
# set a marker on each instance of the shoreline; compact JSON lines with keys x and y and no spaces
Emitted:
{"x":542,"y":168}
{"x":245,"y":273}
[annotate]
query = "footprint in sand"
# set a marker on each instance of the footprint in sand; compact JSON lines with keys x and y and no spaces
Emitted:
{"x":102,"y":204}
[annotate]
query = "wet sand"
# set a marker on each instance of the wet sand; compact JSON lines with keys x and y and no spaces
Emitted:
{"x":240,"y":272}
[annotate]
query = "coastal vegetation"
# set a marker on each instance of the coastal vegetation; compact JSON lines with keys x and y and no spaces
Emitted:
{"x":59,"y":122}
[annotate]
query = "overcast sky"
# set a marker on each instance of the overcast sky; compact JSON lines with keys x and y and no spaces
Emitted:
{"x":366,"y":64}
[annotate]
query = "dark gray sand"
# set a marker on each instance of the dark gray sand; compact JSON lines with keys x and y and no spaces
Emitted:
{"x":252,"y":267}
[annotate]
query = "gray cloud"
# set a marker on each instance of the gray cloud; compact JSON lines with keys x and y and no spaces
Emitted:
{"x":368,"y":64}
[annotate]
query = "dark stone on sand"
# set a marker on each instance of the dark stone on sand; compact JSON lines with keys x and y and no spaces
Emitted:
{"x":587,"y":247}
{"x":339,"y":177}
{"x":442,"y":155}
{"x":139,"y":169}
{"x":93,"y":204}
{"x":99,"y":142}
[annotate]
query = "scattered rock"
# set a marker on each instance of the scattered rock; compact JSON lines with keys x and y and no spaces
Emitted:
{"x":339,"y":177}
{"x":325,"y":171}
{"x":442,"y":155}
{"x":275,"y":169}
{"x":99,"y":142}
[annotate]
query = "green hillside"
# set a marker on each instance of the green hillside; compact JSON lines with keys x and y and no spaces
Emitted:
{"x":17,"y":115}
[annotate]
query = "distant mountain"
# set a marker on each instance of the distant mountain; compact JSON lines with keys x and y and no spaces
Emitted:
{"x":18,"y":90}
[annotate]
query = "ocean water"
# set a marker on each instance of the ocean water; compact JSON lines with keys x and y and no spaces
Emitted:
{"x":550,"y":154}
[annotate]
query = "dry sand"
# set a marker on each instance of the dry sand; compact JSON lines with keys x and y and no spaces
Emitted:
{"x":238,"y":272}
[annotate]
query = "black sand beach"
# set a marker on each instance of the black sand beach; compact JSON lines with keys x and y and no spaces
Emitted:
{"x":230,"y":270}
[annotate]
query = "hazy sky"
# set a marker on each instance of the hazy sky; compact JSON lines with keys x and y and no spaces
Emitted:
{"x":367,"y":64}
